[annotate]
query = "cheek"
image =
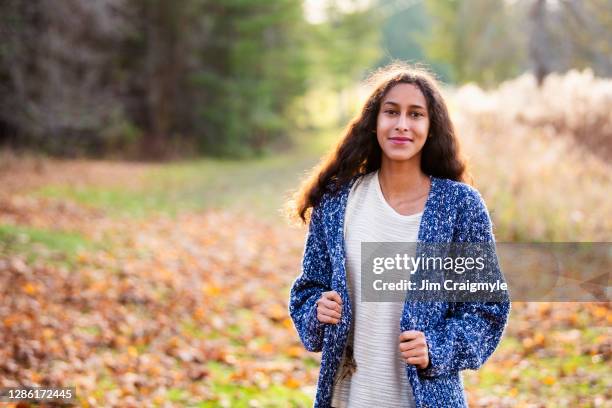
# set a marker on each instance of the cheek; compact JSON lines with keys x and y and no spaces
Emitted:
{"x":424,"y":127}
{"x":385,"y":126}
{"x":379,"y":137}
{"x":381,"y":128}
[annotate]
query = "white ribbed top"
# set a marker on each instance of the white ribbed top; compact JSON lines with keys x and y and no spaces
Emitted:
{"x":380,"y":379}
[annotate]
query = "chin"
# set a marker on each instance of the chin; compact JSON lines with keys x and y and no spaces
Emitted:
{"x":400,"y":157}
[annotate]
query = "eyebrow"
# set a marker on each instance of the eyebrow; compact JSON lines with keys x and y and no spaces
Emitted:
{"x":397,"y":104}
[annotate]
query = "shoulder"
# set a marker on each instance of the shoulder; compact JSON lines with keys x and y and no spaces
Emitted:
{"x":472,"y":216}
{"x":464,"y":196}
{"x":335,"y":199}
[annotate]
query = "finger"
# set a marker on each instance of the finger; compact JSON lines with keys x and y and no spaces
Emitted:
{"x":330,"y":304}
{"x":412,"y":344}
{"x":327,"y":319}
{"x":330,"y":313}
{"x":414,"y":353}
{"x":415,"y":360}
{"x":333,"y":295}
{"x":410,"y":335}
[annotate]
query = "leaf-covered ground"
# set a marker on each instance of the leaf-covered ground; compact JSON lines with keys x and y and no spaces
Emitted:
{"x":151,"y":285}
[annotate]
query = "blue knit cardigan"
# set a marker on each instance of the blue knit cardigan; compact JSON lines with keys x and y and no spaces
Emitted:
{"x":459,"y":335}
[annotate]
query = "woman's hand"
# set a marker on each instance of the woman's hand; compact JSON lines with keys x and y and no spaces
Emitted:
{"x":329,"y":307}
{"x":413,"y":348}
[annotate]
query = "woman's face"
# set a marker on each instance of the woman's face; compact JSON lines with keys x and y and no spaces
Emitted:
{"x":403,"y":123}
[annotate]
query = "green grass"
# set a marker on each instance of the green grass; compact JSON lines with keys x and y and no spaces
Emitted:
{"x":115,"y":201}
{"x":573,"y":378}
{"x":192,"y":329}
{"x":226,"y":389}
{"x":105,"y":384}
{"x":256,"y":185}
{"x":54,"y":246}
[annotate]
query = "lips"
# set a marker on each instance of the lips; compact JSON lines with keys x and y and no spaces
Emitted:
{"x":401,"y":139}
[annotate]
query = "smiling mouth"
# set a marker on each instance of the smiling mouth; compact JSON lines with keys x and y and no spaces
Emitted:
{"x":401,"y":139}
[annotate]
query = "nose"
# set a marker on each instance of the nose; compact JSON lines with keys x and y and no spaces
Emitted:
{"x":402,"y":124}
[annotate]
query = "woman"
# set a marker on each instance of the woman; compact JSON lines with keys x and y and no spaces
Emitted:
{"x":396,"y":176}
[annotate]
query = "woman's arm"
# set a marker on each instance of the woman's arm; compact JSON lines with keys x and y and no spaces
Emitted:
{"x":308,"y":287}
{"x":467,"y":338}
{"x":472,"y":330}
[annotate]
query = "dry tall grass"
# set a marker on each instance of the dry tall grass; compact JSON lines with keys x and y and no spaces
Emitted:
{"x":540,"y":157}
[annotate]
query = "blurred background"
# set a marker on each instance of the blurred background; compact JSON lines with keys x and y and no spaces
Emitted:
{"x":147,"y":147}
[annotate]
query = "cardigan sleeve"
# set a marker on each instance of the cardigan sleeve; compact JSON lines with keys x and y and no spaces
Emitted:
{"x":308,"y":287}
{"x":472,"y":330}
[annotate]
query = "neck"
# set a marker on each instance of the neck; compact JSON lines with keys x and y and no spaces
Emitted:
{"x":398,"y":178}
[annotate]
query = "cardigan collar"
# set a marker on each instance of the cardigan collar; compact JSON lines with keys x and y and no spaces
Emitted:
{"x":428,"y":211}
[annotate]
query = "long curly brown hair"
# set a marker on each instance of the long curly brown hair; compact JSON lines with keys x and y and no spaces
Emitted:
{"x":358,"y":152}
